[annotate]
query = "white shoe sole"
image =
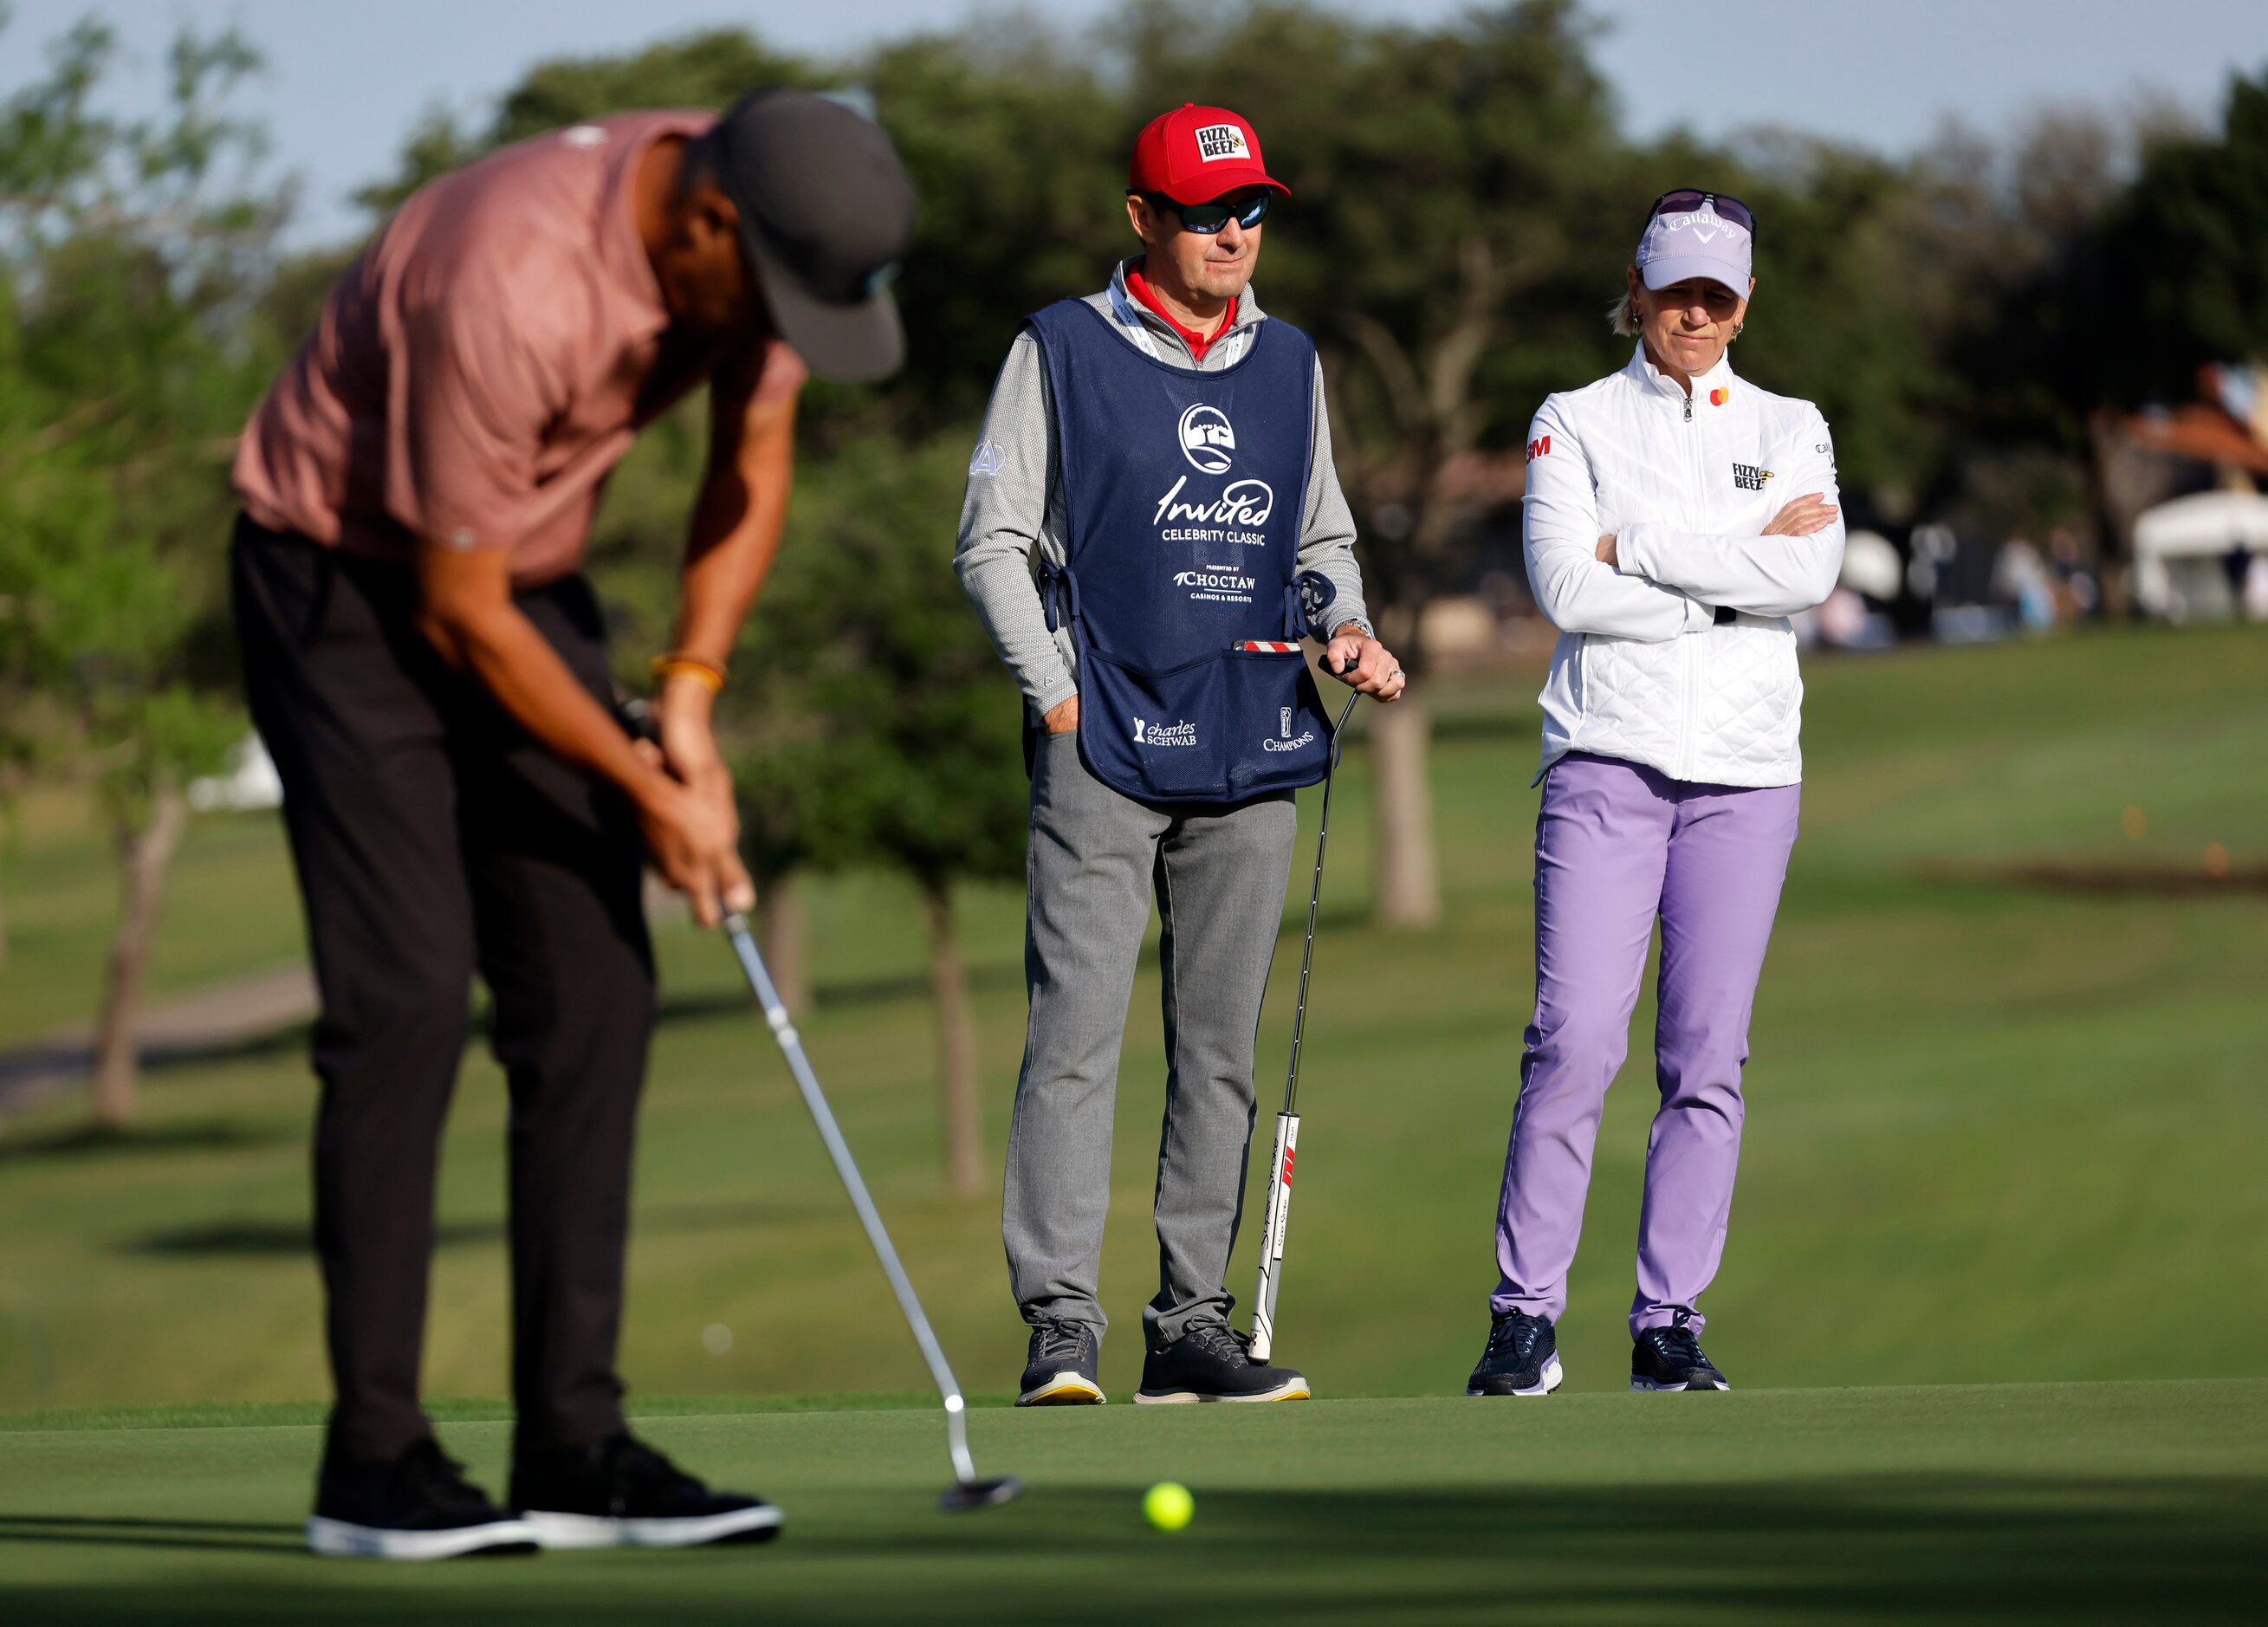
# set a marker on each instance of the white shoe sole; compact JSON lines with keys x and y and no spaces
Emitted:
{"x":337,"y":1539}
{"x":1552,"y":1378}
{"x":1290,"y":1390}
{"x":1065,"y":1390}
{"x":578,"y":1531}
{"x":1647,"y":1385}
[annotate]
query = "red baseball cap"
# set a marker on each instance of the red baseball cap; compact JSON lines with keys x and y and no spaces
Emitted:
{"x":1194,"y":154}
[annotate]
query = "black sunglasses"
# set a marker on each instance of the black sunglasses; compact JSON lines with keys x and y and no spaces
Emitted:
{"x":1686,"y":200}
{"x":1207,"y":218}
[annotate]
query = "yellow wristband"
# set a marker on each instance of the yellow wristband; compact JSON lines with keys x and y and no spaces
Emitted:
{"x":710,"y":673}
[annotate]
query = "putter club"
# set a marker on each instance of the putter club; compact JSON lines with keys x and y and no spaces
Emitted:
{"x":967,"y":1491}
{"x":1278,"y":1211}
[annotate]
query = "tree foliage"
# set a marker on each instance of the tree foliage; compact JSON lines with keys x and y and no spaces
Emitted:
{"x":131,"y":253}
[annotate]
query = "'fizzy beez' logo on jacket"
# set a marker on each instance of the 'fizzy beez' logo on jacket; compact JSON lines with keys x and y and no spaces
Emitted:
{"x":1749,"y":477}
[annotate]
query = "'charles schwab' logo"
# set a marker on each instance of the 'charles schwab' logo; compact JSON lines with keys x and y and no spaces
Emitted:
{"x":1147,"y":734}
{"x":1208,"y":440}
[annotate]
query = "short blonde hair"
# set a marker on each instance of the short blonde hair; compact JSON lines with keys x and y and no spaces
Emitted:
{"x":1622,"y":314}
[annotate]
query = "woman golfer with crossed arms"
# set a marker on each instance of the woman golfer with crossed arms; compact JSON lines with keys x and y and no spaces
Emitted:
{"x":1675,"y":517}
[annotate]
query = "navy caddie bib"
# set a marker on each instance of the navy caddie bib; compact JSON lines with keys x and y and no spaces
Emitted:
{"x":1183,"y":493}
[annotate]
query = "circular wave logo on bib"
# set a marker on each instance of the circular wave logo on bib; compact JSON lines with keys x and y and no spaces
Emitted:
{"x":1207,"y":440}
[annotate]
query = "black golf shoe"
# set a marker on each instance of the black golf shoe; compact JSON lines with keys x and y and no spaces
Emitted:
{"x":417,"y":1506}
{"x":1061,"y":1370}
{"x":622,"y":1493}
{"x":1670,"y":1358}
{"x":1521,"y":1357}
{"x":1211,"y":1363}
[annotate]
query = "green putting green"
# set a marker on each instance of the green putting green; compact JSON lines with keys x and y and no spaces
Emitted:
{"x":2062,"y":1502}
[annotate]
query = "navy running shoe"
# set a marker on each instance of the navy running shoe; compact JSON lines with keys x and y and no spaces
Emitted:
{"x":1060,"y":1371}
{"x":1670,"y":1358}
{"x":1211,"y":1362}
{"x":1521,"y":1357}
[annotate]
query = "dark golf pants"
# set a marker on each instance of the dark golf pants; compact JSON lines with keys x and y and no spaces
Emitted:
{"x":434,"y":838}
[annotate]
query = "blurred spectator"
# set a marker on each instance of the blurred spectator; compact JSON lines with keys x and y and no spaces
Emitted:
{"x":2020,"y":578}
{"x":2074,"y":583}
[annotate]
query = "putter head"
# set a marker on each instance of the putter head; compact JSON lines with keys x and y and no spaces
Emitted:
{"x":963,"y":1495}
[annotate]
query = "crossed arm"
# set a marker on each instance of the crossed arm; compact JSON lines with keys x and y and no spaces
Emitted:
{"x":1652,"y":582}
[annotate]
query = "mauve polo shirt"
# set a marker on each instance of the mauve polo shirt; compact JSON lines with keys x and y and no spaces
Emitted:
{"x":478,"y":372}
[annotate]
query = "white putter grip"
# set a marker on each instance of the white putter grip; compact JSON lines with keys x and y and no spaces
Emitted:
{"x":1271,"y":1236}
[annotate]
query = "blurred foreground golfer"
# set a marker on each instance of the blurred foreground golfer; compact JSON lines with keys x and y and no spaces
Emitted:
{"x":1160,"y":451}
{"x":1675,"y":517}
{"x":429,"y":671}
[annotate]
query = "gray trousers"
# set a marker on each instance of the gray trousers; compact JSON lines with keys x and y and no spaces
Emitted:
{"x":1218,"y":876}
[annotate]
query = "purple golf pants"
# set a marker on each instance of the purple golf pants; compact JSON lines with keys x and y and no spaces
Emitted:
{"x":1618,"y":844}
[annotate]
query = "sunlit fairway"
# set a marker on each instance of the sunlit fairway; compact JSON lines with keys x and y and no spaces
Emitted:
{"x":2115,"y":1502}
{"x":2004,"y":1128}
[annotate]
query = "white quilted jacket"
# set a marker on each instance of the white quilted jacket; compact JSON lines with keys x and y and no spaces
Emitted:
{"x":1646,"y":669}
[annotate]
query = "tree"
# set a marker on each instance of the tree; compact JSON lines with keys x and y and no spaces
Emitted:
{"x":902,"y":744}
{"x":121,"y":279}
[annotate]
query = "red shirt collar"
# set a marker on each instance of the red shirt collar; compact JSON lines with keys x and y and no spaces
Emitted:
{"x":1139,"y":285}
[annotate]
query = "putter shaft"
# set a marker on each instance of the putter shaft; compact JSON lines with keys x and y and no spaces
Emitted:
{"x":790,"y":1044}
{"x":1279,"y":1212}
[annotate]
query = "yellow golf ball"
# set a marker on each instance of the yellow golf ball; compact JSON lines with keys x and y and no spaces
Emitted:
{"x":1168,"y":1506}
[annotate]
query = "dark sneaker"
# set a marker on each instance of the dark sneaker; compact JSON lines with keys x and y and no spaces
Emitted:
{"x":1211,"y":1363}
{"x":1670,"y":1358}
{"x":622,"y":1493}
{"x":1521,"y":1357}
{"x":1061,"y":1371}
{"x":418,"y":1507}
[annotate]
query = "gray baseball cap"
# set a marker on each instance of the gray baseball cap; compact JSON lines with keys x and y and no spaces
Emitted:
{"x":826,"y":213}
{"x":1689,"y":237}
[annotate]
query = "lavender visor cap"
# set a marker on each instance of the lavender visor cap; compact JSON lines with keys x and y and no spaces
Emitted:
{"x":1698,"y":243}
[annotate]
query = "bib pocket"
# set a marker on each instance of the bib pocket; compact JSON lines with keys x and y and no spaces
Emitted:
{"x":1220,"y":729}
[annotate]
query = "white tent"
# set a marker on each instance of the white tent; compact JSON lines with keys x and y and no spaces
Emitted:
{"x":2179,"y":546}
{"x":1871,"y":565}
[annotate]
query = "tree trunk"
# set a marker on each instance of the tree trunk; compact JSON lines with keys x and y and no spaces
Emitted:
{"x":961,"y":1120}
{"x":1409,"y":891}
{"x":143,"y":854}
{"x":783,"y":933}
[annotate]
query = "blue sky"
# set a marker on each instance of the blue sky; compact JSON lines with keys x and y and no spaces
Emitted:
{"x":346,"y":80}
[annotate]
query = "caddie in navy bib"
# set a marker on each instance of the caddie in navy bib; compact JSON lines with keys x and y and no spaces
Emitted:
{"x":1183,"y":493}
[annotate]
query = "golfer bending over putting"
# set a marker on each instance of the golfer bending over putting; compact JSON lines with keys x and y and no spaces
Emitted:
{"x":1163,"y":449}
{"x":429,"y":671}
{"x":1675,"y":517}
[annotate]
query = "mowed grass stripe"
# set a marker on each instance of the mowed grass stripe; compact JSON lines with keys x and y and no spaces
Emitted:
{"x":2064,"y":1501}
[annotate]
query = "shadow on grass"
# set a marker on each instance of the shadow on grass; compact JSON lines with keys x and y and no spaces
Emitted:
{"x":2014,"y":1548}
{"x":254,"y":1239}
{"x":93,"y":1142}
{"x":243,"y":1536}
